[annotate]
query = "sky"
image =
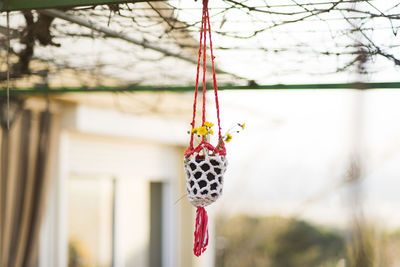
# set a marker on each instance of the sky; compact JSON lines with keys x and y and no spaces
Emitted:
{"x":302,"y":45}
{"x":295,"y":153}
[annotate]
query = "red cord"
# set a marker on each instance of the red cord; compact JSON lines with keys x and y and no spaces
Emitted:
{"x":205,"y":2}
{"x":200,"y":232}
{"x":197,"y":80}
{"x":205,"y":25}
{"x":214,"y":76}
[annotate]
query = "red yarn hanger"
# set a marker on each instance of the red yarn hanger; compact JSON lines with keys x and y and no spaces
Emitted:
{"x":205,"y":26}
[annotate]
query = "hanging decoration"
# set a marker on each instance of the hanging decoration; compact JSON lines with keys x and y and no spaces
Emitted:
{"x":204,"y":164}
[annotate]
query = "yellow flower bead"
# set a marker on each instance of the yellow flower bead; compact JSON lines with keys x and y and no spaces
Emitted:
{"x":228,"y":138}
{"x":208,"y":124}
{"x":203,"y":130}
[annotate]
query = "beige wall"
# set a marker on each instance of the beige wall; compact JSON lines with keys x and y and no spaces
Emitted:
{"x":78,"y":150}
{"x":135,"y":162}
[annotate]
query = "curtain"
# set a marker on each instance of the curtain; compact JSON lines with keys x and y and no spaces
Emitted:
{"x":23,"y":181}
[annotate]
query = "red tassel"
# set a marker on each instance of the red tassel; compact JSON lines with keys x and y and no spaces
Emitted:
{"x":200,"y":232}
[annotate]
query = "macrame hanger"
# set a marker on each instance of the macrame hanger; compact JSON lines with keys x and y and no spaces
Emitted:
{"x":204,"y":174}
{"x":205,"y":26}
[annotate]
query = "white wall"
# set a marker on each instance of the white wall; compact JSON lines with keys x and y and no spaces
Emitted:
{"x":133,"y":149}
{"x":120,"y":157}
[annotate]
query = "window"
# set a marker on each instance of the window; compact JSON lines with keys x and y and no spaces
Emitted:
{"x":156,"y":222}
{"x":115,"y":222}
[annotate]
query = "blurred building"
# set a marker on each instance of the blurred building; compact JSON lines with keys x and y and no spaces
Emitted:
{"x":115,"y":189}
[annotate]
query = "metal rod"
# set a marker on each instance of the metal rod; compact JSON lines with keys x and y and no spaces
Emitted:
{"x":37,"y":4}
{"x":111,"y":33}
{"x":136,"y":88}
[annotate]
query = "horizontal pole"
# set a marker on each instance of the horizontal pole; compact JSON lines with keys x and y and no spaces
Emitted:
{"x":14,"y":5}
{"x":136,"y":88}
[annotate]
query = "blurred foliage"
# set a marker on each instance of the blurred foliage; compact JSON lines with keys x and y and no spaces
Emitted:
{"x":275,"y":241}
{"x":302,"y":244}
{"x":283,"y":242}
{"x":393,"y":248}
{"x":362,"y":250}
{"x":370,"y":246}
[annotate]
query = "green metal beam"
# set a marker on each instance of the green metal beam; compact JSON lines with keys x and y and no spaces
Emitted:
{"x":136,"y":88}
{"x":14,"y":5}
